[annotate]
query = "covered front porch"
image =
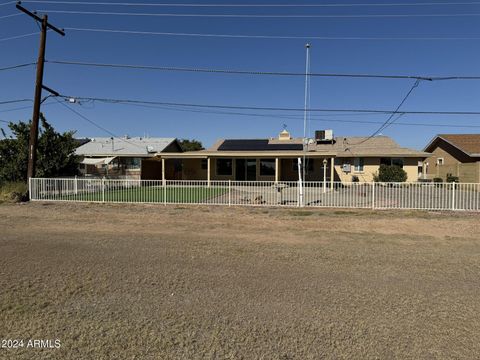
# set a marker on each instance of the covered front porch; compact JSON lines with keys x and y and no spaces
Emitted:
{"x":249,"y":167}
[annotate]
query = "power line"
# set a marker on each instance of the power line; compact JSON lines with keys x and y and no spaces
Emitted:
{"x":8,"y":3}
{"x":14,"y":101}
{"x":235,"y":107}
{"x":17,"y":66}
{"x":24,"y":107}
{"x":270,"y":37}
{"x":9,"y":16}
{"x":249,"y":72}
{"x":249,"y":5}
{"x":251,"y":16}
{"x":85,"y":118}
{"x":390,"y":119}
{"x":292,"y":117}
{"x":18,"y":36}
{"x":96,"y":125}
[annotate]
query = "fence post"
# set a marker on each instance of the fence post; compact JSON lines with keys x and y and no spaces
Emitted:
{"x":76,"y":185}
{"x":229,"y":192}
{"x":165,"y":192}
{"x":103,"y":189}
{"x":373,"y":195}
{"x":30,"y":188}
{"x":453,"y":195}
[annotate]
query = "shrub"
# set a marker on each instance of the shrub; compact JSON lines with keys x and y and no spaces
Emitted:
{"x":55,"y":153}
{"x":355,"y":179}
{"x":451,"y":178}
{"x":390,"y":173}
{"x":437,"y":180}
{"x":13,"y":192}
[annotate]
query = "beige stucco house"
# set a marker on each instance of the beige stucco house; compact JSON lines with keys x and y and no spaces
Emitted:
{"x":331,"y":158}
{"x":456,"y":155}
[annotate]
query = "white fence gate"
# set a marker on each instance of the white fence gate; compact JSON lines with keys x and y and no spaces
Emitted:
{"x":424,"y":196}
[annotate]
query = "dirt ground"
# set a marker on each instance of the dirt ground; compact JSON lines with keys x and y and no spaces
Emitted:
{"x":154,"y":282}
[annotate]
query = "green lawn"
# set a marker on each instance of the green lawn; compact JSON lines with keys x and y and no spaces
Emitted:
{"x":153,"y":194}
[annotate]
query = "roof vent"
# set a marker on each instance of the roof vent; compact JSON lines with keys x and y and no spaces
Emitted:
{"x":150,"y":149}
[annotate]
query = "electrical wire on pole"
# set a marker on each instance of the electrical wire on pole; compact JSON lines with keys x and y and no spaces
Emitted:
{"x":276,"y":37}
{"x":267,"y":16}
{"x":258,"y":72}
{"x":239,"y":5}
{"x":270,"y":108}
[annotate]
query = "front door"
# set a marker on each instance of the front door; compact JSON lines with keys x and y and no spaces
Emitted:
{"x":245,"y":169}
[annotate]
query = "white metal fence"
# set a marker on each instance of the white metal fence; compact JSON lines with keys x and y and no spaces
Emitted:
{"x":426,"y":196}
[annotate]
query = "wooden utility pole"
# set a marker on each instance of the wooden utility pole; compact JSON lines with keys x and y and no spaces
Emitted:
{"x":32,"y":146}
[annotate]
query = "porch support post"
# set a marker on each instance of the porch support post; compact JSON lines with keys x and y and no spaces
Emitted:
{"x":208,"y":172}
{"x":163,"y":172}
{"x":324,"y":175}
{"x":277,"y":170}
{"x":332,"y":172}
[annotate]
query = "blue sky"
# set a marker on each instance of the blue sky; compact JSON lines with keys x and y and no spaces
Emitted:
{"x":422,"y":57}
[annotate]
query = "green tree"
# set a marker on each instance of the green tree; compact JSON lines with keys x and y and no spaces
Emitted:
{"x":55,"y":152}
{"x":390,"y":173}
{"x":190,"y":145}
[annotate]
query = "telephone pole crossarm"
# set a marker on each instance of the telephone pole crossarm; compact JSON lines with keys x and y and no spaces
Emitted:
{"x":38,"y":18}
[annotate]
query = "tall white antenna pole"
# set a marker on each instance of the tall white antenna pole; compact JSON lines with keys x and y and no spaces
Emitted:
{"x":306,"y":105}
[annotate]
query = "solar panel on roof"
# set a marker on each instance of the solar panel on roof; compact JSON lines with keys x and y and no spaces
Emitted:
{"x":256,"y":145}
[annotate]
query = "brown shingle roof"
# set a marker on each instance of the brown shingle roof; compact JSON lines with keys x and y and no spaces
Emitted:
{"x":468,"y":143}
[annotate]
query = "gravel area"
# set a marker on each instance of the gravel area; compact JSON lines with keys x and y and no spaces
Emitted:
{"x":156,"y":282}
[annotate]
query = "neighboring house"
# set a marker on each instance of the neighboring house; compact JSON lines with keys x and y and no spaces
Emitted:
{"x":131,"y":158}
{"x":333,"y":159}
{"x":454,"y":155}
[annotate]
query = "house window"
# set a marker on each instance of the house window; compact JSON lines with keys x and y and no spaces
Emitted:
{"x":204,"y":164}
{"x":440,"y":161}
{"x":397,"y":162}
{"x":267,"y":167}
{"x":132,"y":163}
{"x":224,"y":166}
{"x":392,"y":161}
{"x":308,"y":165}
{"x":358,"y":163}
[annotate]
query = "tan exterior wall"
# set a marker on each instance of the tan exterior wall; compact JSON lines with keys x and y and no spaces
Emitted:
{"x":370,"y":168}
{"x":410,"y":165}
{"x":466,"y":172}
{"x":469,"y":173}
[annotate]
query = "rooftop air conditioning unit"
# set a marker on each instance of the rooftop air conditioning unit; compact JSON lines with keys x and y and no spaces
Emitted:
{"x":347,"y":168}
{"x":324,"y":135}
{"x":150,"y":149}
